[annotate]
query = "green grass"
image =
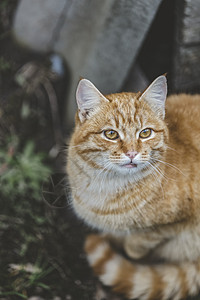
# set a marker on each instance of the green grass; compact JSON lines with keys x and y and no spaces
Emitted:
{"x":5,"y":65}
{"x":22,"y":172}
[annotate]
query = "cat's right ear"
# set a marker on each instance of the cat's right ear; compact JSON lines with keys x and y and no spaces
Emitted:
{"x":88,"y":98}
{"x":155,"y":95}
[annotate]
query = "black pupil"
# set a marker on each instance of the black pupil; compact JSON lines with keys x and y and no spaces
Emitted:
{"x":112,"y":134}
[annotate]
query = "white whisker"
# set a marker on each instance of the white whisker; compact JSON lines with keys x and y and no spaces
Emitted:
{"x":157,"y":170}
{"x":170,"y":165}
{"x":172,"y":149}
{"x":105,"y":169}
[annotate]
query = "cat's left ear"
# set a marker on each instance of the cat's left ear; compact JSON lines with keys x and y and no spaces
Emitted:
{"x":155,"y":95}
{"x":88,"y":98}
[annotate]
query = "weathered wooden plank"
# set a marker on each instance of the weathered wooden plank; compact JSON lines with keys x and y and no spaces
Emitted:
{"x":187,"y":69}
{"x":191,"y":22}
{"x":186,"y":72}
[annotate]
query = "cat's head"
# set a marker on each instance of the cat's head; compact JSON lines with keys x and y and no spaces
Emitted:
{"x":123,"y":132}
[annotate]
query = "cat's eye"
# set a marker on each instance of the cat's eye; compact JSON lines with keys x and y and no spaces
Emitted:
{"x":111,"y":134}
{"x":145,"y":133}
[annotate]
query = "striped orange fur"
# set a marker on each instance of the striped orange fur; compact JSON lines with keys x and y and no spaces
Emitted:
{"x":134,"y":170}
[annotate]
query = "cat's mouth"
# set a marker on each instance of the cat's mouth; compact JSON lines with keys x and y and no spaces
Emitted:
{"x":129,"y":165}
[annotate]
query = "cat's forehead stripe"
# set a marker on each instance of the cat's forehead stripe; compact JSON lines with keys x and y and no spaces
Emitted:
{"x":124,"y":111}
{"x":116,"y":120}
{"x":127,"y":119}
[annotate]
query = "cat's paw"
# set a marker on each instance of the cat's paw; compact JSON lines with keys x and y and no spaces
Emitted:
{"x":138,"y":246}
{"x":135,"y":251}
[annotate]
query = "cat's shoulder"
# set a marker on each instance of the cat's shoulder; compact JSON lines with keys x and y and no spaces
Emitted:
{"x":183,"y":110}
{"x":183,"y":105}
{"x":182,"y":100}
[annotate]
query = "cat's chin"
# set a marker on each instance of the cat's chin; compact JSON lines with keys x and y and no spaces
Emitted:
{"x":126,"y":169}
{"x":129,"y":166}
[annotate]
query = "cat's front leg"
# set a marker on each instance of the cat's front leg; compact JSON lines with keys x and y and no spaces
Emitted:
{"x":139,"y":244}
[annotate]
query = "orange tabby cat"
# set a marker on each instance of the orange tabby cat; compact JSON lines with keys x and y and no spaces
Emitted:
{"x":134,"y":173}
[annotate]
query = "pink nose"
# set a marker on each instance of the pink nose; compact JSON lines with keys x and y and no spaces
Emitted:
{"x":131,"y":154}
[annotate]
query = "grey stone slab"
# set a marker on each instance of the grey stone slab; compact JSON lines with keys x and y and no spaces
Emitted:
{"x":36,"y":22}
{"x":82,"y":24}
